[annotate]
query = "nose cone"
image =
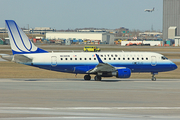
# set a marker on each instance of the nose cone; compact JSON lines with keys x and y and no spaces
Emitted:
{"x":174,"y":66}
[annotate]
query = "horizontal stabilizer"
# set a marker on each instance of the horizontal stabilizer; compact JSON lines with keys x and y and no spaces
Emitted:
{"x":7,"y":57}
{"x":21,"y":59}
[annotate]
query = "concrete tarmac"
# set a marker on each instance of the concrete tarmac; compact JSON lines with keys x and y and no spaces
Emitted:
{"x":54,"y":99}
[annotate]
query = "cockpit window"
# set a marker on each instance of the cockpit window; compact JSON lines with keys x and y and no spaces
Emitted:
{"x":164,"y":58}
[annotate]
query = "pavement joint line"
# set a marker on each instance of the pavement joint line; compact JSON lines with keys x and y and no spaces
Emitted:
{"x":91,"y":108}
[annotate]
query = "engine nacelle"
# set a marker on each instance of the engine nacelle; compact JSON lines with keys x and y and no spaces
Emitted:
{"x":123,"y":73}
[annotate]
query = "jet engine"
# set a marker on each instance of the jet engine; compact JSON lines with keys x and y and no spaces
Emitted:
{"x":123,"y":73}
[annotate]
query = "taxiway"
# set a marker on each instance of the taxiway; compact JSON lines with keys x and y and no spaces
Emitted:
{"x":136,"y":99}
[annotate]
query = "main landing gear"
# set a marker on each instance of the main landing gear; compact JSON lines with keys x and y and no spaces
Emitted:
{"x":96,"y":78}
{"x":153,"y":76}
{"x":87,"y":77}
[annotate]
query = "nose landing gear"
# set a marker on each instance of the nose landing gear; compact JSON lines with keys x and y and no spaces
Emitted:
{"x":153,"y":76}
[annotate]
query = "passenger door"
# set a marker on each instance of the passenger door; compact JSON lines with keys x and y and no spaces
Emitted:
{"x":53,"y":61}
{"x":153,"y":60}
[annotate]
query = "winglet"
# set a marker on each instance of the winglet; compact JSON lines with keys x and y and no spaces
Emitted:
{"x":99,"y":59}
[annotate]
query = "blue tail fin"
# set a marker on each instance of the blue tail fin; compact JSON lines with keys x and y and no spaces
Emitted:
{"x":20,"y":43}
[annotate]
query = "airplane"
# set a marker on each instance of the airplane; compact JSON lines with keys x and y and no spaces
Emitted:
{"x":149,"y":10}
{"x":101,"y":64}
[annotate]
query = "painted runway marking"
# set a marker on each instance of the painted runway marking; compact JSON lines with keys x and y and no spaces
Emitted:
{"x":92,"y":108}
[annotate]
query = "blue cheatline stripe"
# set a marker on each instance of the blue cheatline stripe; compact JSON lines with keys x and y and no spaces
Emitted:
{"x":22,"y":39}
{"x":12,"y":36}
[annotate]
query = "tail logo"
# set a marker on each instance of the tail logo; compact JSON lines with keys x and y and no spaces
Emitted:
{"x":20,"y":43}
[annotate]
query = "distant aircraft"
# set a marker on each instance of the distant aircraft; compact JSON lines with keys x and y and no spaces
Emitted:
{"x":149,"y":10}
{"x":101,"y":64}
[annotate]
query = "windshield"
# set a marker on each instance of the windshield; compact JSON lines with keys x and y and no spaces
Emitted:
{"x":164,"y":58}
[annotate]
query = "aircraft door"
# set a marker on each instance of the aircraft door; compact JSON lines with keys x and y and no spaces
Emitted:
{"x":53,"y":61}
{"x":153,"y":60}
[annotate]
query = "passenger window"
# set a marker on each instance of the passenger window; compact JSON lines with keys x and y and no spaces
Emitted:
{"x":132,"y":58}
{"x":109,"y":58}
{"x":111,"y":55}
{"x":65,"y":58}
{"x":80,"y":58}
{"x":115,"y":55}
{"x":104,"y":58}
{"x":128,"y":58}
{"x":114,"y":58}
{"x":89,"y":58}
{"x":137,"y":58}
{"x":75,"y":58}
{"x":94,"y":58}
{"x":123,"y":58}
{"x":146,"y":58}
{"x":70,"y":58}
{"x":142,"y":58}
{"x":61,"y":58}
{"x":101,"y":55}
{"x":118,"y":58}
{"x":84,"y":58}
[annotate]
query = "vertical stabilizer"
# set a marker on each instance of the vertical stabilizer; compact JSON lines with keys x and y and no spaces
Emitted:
{"x":20,"y":43}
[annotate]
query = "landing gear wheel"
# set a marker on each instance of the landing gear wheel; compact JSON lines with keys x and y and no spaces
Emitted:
{"x":153,"y":76}
{"x":153,"y":79}
{"x":87,"y":77}
{"x":97,"y":78}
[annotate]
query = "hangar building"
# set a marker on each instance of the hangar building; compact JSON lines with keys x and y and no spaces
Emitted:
{"x":102,"y":36}
{"x":171,"y":17}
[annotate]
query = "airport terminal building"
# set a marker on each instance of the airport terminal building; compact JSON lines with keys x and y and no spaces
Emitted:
{"x":171,"y":17}
{"x":107,"y":38}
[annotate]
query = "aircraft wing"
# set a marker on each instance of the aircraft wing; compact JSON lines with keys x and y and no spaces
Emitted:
{"x":103,"y":67}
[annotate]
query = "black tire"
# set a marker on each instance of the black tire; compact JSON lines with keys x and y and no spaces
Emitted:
{"x":97,"y":78}
{"x":153,"y":79}
{"x":87,"y":77}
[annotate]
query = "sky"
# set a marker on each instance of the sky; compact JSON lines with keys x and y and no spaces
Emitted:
{"x":72,"y":14}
